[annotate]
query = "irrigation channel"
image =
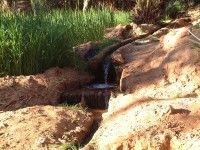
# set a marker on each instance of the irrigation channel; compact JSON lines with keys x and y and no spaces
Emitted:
{"x":94,"y":96}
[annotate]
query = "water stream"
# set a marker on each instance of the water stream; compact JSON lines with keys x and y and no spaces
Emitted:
{"x":97,"y":98}
{"x":106,"y":67}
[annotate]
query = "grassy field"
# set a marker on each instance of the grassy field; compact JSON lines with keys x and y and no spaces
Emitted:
{"x":32,"y":43}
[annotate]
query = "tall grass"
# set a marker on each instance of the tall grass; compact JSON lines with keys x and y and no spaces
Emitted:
{"x":32,"y":43}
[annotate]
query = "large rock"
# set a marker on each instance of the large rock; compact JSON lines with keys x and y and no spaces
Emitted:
{"x":181,"y":22}
{"x":161,"y":32}
{"x":132,"y":30}
{"x":163,"y":110}
{"x":149,"y":124}
{"x":43,"y":127}
{"x":165,"y":69}
{"x":42,"y":89}
{"x":86,"y":50}
{"x":148,"y":28}
{"x":120,"y":32}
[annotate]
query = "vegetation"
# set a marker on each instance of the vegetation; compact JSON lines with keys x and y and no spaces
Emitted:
{"x":153,"y":11}
{"x":173,"y":8}
{"x":76,"y":107}
{"x":69,"y":146}
{"x":149,"y":11}
{"x":76,"y":4}
{"x":197,"y":39}
{"x":32,"y":43}
{"x":106,"y":42}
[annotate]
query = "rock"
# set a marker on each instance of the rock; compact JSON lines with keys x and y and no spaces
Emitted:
{"x":193,"y":12}
{"x":147,"y":124}
{"x":119,"y":32}
{"x":123,"y":55}
{"x":117,"y":58}
{"x":132,"y":30}
{"x":42,"y":89}
{"x":40,"y":142}
{"x":161,"y":32}
{"x":86,"y":49}
{"x":44,"y":126}
{"x":181,"y":22}
{"x":96,"y":61}
{"x":147,"y":28}
{"x":196,"y":22}
{"x":165,"y":69}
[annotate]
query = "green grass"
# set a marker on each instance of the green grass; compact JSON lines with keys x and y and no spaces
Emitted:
{"x":196,"y":40}
{"x":76,"y":107}
{"x":33,"y":43}
{"x":122,"y":17}
{"x":68,"y":146}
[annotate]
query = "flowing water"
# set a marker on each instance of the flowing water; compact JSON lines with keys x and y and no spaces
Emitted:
{"x":105,"y":85}
{"x":106,"y":67}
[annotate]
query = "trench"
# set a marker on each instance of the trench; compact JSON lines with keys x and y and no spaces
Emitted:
{"x":94,"y":96}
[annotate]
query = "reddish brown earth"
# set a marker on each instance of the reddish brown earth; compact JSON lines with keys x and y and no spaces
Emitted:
{"x":161,"y":70}
{"x":43,"y":127}
{"x":42,"y":89}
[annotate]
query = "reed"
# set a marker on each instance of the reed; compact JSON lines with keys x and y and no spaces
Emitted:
{"x":33,"y":43}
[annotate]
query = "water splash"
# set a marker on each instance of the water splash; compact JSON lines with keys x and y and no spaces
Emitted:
{"x":106,"y":67}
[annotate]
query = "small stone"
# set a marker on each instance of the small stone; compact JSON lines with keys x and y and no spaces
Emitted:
{"x":40,"y":142}
{"x":3,"y":125}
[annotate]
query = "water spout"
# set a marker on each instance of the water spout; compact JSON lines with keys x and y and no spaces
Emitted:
{"x":106,"y":67}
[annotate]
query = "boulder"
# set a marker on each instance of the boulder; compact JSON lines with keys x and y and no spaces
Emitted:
{"x":181,"y":22}
{"x":147,"y":28}
{"x":86,"y":49}
{"x":164,"y":69}
{"x":161,"y":32}
{"x":149,"y":124}
{"x":119,"y":32}
{"x":132,"y":30}
{"x":43,"y":127}
{"x":41,"y":89}
{"x":193,"y":12}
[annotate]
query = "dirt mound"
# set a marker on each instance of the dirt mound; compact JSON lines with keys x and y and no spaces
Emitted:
{"x":42,"y":89}
{"x":43,"y":127}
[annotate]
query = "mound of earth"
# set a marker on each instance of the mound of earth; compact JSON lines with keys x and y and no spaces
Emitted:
{"x":43,"y":127}
{"x":42,"y":89}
